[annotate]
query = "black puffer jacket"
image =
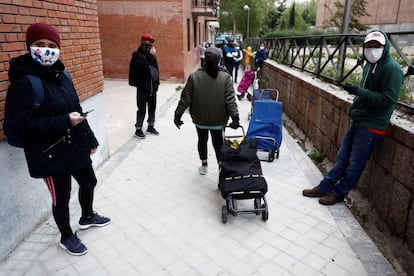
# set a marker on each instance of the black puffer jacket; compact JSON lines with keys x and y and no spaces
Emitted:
{"x":42,"y":127}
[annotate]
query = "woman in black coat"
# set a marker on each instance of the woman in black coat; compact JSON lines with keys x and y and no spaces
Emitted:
{"x":57,"y":139}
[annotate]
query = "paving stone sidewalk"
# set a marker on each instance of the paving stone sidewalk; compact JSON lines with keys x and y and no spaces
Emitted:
{"x":166,"y":219}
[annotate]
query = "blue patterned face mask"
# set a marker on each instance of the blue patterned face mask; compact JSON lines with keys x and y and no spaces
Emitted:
{"x":45,"y":56}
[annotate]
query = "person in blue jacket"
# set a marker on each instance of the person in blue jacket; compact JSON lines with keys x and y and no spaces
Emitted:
{"x":260,"y":57}
{"x":370,"y":113}
{"x":57,"y":138}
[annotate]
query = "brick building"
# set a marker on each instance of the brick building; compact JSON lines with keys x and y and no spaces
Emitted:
{"x":178,"y":26}
{"x":390,"y":15}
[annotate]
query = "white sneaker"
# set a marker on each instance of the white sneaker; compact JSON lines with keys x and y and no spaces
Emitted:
{"x":203,"y":170}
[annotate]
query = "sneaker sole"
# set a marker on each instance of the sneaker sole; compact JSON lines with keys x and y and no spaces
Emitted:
{"x":93,"y":225}
{"x":61,"y":245}
{"x":139,"y":137}
{"x":155,"y":134}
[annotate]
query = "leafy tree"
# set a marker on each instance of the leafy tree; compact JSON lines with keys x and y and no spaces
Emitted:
{"x":292,"y":17}
{"x":236,"y":18}
{"x":266,"y":16}
{"x":357,"y":11}
{"x":308,"y":12}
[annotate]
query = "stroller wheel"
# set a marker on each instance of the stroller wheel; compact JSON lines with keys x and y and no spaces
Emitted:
{"x":265,"y":214}
{"x":224,"y":214}
{"x":257,"y":205}
{"x":271,"y":155}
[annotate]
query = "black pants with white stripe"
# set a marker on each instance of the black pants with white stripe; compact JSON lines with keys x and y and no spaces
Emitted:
{"x":60,"y":187}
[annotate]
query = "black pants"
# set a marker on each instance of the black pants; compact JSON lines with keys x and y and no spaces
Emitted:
{"x":142,"y":101}
{"x":60,"y":186}
{"x":216,"y":137}
{"x":229,"y":64}
{"x":236,"y":69}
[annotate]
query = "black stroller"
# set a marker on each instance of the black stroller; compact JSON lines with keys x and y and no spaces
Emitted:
{"x":241,"y":177}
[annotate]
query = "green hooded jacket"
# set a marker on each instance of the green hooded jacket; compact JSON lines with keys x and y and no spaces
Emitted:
{"x":378,"y":93}
{"x":211,"y":100}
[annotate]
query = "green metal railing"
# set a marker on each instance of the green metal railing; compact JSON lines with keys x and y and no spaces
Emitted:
{"x":338,"y":58}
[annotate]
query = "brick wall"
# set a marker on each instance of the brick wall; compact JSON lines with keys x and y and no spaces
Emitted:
{"x":77,"y":23}
{"x":123,"y":22}
{"x":320,"y":111}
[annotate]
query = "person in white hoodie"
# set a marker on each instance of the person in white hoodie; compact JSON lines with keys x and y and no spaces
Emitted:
{"x":237,"y":59}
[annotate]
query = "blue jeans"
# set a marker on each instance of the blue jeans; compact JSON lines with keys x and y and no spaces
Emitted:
{"x":351,"y":159}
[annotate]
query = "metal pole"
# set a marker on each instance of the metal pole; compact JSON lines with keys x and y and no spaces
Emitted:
{"x":247,"y":8}
{"x":248,"y":22}
{"x":342,"y":55}
{"x":347,"y":12}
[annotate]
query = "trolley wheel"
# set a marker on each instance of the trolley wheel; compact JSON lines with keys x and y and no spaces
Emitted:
{"x":224,"y":214}
{"x":265,"y":214}
{"x":257,"y":205}
{"x":277,"y":154}
{"x":271,"y":155}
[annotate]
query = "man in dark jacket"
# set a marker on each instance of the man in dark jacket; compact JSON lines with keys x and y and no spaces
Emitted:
{"x":374,"y":102}
{"x":260,"y":57}
{"x":144,"y":75}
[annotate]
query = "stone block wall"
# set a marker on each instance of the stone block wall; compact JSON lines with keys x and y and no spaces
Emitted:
{"x":320,"y":111}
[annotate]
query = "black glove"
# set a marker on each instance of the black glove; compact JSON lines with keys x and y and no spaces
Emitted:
{"x":178,"y":122}
{"x":351,"y":89}
{"x":235,"y":122}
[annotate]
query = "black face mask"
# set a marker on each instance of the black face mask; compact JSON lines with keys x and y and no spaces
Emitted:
{"x":145,"y":48}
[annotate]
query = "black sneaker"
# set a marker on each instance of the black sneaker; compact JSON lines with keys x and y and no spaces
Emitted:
{"x":152,"y":130}
{"x":139,"y":133}
{"x":95,"y":220}
{"x":74,"y":246}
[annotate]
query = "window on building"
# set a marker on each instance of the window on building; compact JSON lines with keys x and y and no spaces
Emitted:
{"x":195,"y":33}
{"x":188,"y":35}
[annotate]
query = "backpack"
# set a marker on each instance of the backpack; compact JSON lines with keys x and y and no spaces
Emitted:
{"x":132,"y":76}
{"x":38,"y":96}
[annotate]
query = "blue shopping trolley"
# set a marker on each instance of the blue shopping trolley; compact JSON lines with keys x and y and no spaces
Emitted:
{"x":266,"y":126}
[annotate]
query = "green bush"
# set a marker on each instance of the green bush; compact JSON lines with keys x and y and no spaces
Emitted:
{"x":317,"y":156}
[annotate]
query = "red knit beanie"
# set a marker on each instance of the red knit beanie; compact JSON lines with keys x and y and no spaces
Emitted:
{"x":41,"y":31}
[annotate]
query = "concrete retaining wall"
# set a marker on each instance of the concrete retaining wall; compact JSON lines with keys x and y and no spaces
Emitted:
{"x":320,"y":110}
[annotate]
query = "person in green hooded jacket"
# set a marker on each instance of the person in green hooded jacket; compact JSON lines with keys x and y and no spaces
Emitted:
{"x":210,"y":96}
{"x":370,"y":113}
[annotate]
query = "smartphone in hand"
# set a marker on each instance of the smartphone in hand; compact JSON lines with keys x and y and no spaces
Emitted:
{"x":86,"y":112}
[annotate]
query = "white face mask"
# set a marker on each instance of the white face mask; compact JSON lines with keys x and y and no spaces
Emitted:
{"x":45,"y":56}
{"x":373,"y":54}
